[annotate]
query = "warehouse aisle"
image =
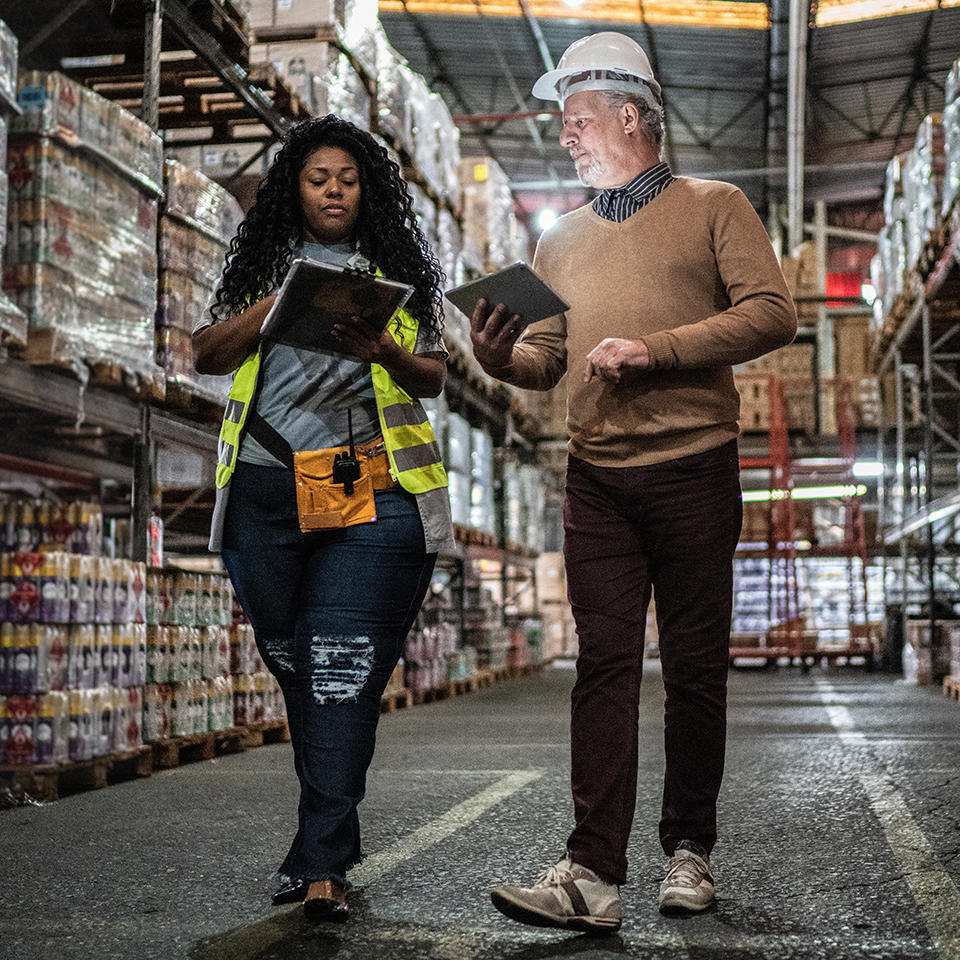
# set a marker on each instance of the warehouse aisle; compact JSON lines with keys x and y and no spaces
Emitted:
{"x":840,"y":823}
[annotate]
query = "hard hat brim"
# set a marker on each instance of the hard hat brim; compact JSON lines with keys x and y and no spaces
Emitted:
{"x":548,"y":86}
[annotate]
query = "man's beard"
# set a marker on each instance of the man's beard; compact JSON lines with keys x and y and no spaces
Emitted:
{"x":588,"y":175}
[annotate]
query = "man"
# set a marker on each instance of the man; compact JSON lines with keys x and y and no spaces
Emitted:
{"x":670,"y":282}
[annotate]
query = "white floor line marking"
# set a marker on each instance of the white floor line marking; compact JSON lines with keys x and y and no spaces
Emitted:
{"x":932,"y":888}
{"x":456,"y":818}
{"x":252,"y":940}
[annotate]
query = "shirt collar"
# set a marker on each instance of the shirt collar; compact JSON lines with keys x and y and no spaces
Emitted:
{"x":641,"y":188}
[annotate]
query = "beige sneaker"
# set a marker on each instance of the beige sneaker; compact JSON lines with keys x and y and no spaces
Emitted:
{"x":568,"y":896}
{"x":688,"y":885}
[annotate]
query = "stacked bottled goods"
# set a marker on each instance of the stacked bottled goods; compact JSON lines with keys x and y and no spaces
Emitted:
{"x":99,"y":655}
{"x":198,"y":220}
{"x":13,"y":323}
{"x":81,"y":257}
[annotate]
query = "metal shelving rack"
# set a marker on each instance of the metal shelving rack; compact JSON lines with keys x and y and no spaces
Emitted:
{"x":920,"y":500}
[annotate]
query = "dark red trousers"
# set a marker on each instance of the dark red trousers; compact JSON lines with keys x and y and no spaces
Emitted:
{"x":672,"y":527}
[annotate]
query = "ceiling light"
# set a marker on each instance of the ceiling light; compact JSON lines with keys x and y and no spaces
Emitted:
{"x":546,"y":218}
{"x":868,"y":468}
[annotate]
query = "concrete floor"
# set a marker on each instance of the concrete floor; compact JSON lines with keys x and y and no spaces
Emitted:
{"x":840,"y":838}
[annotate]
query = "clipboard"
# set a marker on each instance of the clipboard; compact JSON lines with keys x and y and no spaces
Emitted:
{"x":516,"y":286}
{"x":315,"y":296}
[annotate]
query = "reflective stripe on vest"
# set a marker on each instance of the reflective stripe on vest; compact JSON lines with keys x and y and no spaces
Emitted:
{"x":235,"y":416}
{"x":411,"y":445}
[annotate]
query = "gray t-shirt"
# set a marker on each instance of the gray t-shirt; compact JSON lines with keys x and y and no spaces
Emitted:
{"x":305,"y":394}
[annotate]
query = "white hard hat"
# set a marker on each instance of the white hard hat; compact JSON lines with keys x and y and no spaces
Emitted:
{"x":602,"y":61}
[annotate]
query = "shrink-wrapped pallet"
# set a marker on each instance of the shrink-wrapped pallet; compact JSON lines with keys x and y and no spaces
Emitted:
{"x":81,"y":261}
{"x":923,"y":190}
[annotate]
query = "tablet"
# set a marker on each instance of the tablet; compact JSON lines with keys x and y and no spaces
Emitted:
{"x":316,"y":296}
{"x":516,"y":286}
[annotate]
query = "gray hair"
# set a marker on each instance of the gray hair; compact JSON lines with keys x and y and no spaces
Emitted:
{"x":651,"y":118}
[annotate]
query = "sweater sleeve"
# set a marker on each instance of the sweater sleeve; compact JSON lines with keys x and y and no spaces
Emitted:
{"x":761,"y":316}
{"x":539,"y":358}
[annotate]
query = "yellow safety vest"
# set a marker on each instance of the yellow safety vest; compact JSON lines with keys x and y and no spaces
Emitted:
{"x":412,"y":448}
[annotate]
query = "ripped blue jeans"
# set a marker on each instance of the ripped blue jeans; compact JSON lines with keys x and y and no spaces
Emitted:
{"x":330,"y":611}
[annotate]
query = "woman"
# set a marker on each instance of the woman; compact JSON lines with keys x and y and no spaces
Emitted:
{"x":330,"y":607}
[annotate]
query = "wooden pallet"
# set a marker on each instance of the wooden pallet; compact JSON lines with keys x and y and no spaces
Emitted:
{"x":267,"y":731}
{"x":180,"y":750}
{"x":396,"y":700}
{"x":951,"y":687}
{"x":45,"y":783}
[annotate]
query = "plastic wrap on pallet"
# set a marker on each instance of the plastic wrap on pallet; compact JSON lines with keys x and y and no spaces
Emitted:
{"x":438,"y":413}
{"x":426,"y":212}
{"x":893,"y":204}
{"x":458,"y":443}
{"x":81,"y":255}
{"x":8,"y":64}
{"x":32,"y":729}
{"x":220,"y":703}
{"x":129,"y":719}
{"x":243,"y":705}
{"x":531,"y":479}
{"x":204,"y":204}
{"x":487,"y":207}
{"x":481,"y":477}
{"x":458,"y":490}
{"x":347,"y":96}
{"x":923,"y":187}
{"x":199,"y":219}
{"x":437,"y":145}
{"x":891,"y":246}
{"x":513,"y":506}
{"x":395,"y":80}
{"x":878,"y":279}
{"x":188,"y":708}
{"x":156,"y":711}
{"x":449,"y":247}
{"x":33,"y":657}
{"x":363,"y":32}
{"x":951,"y":137}
{"x":952,"y":85}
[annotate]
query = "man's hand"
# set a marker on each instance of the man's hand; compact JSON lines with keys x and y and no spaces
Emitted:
{"x":611,"y":358}
{"x":493,"y":333}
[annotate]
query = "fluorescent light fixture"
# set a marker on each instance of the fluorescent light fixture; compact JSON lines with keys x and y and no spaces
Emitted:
{"x":831,"y":12}
{"x":868,"y":468}
{"x":546,"y":218}
{"x":806,"y":493}
{"x":729,"y":14}
{"x":828,"y":493}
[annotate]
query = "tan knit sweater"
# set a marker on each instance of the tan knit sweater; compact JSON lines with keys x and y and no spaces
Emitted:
{"x":693,"y":275}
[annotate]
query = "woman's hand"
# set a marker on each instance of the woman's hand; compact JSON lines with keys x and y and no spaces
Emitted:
{"x":221,"y":348}
{"x":362,"y":341}
{"x":611,"y":358}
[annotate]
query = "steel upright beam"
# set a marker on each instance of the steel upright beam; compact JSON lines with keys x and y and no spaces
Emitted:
{"x":796,"y":102}
{"x":152,"y":39}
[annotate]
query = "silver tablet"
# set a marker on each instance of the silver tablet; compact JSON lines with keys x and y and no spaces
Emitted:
{"x":517,"y":287}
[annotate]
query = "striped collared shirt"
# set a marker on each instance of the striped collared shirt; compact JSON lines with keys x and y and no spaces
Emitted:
{"x":625,"y":201}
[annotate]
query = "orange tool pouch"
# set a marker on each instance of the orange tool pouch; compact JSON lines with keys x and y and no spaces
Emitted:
{"x":325,"y":505}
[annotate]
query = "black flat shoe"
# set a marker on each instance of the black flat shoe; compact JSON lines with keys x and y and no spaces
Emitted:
{"x":326,"y":900}
{"x":293,"y":891}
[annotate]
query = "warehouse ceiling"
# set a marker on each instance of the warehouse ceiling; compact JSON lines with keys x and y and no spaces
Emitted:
{"x":723,"y":66}
{"x":869,"y":84}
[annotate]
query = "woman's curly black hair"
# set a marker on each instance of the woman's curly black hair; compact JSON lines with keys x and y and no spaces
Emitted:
{"x":387,"y":231}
